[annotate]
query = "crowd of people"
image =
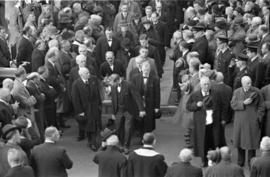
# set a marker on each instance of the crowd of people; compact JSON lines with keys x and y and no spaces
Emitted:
{"x":70,"y":56}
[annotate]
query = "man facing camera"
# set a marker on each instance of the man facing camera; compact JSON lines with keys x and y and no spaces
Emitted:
{"x":49,"y":159}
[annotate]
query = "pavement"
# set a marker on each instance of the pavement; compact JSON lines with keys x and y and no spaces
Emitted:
{"x":169,"y":134}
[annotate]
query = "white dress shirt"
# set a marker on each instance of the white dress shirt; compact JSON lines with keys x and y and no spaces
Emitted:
{"x":209,"y":112}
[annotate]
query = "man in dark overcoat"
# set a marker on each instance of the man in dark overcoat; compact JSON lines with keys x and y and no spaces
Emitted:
{"x":248,"y":106}
{"x":6,"y":112}
{"x":104,"y":44}
{"x":111,"y":162}
{"x":126,"y":102}
{"x":260,"y":165}
{"x":266,"y":121}
{"x":5,"y":56}
{"x":38,"y":55}
{"x":201,"y":44}
{"x":87,"y":106}
{"x":49,"y":159}
{"x":207,"y":110}
{"x":149,"y":89}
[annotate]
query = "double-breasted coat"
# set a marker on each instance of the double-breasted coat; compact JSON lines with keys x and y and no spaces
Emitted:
{"x":86,"y":99}
{"x":199,"y":118}
{"x":247,"y":118}
{"x":150,"y":94}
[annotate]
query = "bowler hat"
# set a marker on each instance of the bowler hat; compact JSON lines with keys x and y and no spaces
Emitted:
{"x":221,"y":24}
{"x":106,"y":133}
{"x":7,"y":129}
{"x":252,"y":39}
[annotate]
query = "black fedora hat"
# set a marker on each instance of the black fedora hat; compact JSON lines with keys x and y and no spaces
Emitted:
{"x":242,"y":57}
{"x":199,"y":27}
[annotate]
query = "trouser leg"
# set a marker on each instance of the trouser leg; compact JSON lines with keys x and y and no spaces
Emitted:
{"x":251,"y":154}
{"x":241,"y":157}
{"x":128,"y":130}
{"x":208,"y":141}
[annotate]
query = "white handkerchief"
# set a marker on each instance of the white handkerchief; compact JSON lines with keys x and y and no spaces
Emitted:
{"x":209,"y":117}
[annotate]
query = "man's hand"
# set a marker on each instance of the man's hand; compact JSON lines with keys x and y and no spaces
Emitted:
{"x":223,"y":122}
{"x":113,"y":117}
{"x":82,"y":114}
{"x":199,"y":104}
{"x":156,"y":110}
{"x":142,"y":114}
{"x":247,"y":101}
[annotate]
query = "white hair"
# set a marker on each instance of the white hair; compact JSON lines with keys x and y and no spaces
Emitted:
{"x":82,"y":70}
{"x":185,"y":155}
{"x":79,"y":58}
{"x":265,"y":143}
{"x":112,"y":140}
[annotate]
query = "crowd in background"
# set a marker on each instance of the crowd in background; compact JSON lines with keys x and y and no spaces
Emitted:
{"x":70,"y":56}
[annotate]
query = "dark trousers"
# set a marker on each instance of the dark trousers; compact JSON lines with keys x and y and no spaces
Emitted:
{"x":124,"y":125}
{"x":50,"y":115}
{"x":208,"y":141}
{"x":242,"y":156}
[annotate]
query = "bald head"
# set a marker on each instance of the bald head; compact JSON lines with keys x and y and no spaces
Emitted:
{"x":5,"y":94}
{"x":149,"y":139}
{"x":225,"y":153}
{"x":51,"y":133}
{"x":265,"y":144}
{"x":246,"y":82}
{"x":219,"y":77}
{"x":112,"y":140}
{"x":8,"y":83}
{"x":185,"y":155}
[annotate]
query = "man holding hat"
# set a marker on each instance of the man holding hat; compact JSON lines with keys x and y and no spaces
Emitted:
{"x":111,"y":162}
{"x":238,"y":69}
{"x":223,"y":55}
{"x":201,"y":44}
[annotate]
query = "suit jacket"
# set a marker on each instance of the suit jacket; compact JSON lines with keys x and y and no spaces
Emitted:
{"x":49,"y":159}
{"x":20,"y":171}
{"x":226,"y":168}
{"x":111,"y":162}
{"x":120,"y":18}
{"x":162,"y":29}
{"x":150,"y":94}
{"x":38,"y":59}
{"x":25,"y":48}
{"x":102,"y":47}
{"x":201,"y":46}
{"x":133,"y":66}
{"x":153,"y":36}
{"x":128,"y":97}
{"x":5,"y":56}
{"x":260,"y":166}
{"x":222,"y":62}
{"x":55,"y":78}
{"x":105,"y":69}
{"x":5,"y":114}
{"x":253,"y":67}
{"x":182,"y":169}
{"x":65,"y":60}
{"x":86,"y":99}
{"x":235,"y":76}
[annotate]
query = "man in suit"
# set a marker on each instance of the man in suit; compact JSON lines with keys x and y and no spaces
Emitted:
{"x":122,"y":16}
{"x":134,"y":65}
{"x":65,"y":58}
{"x":49,"y":159}
{"x":247,"y":103}
{"x":226,"y":167}
{"x":87,"y":104}
{"x":25,"y":48}
{"x":208,"y":124}
{"x":148,"y":13}
{"x":111,"y":66}
{"x":149,"y":89}
{"x":17,"y":168}
{"x":264,"y":34}
{"x":238,"y":69}
{"x":162,"y":30}
{"x":184,"y":168}
{"x":5,"y":56}
{"x":226,"y":91}
{"x":38,"y":55}
{"x":223,"y":56}
{"x":50,"y":96}
{"x":104,"y":44}
{"x":145,"y":161}
{"x":201,"y":44}
{"x":111,"y":162}
{"x":6,"y":112}
{"x":126,"y":103}
{"x":253,"y":63}
{"x":260,"y":165}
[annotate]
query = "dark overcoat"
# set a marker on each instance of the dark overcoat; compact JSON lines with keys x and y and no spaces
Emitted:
{"x":5,"y":56}
{"x":111,"y":162}
{"x":49,"y":159}
{"x":86,"y":99}
{"x":247,"y":118}
{"x":182,"y":169}
{"x":37,"y":59}
{"x":199,"y":119}
{"x":266,"y":122}
{"x":201,"y":46}
{"x":260,"y":166}
{"x":225,"y":169}
{"x":22,"y":171}
{"x":118,"y":68}
{"x":24,"y":53}
{"x":151,"y":97}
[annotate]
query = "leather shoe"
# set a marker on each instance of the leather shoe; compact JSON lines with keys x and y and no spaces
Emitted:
{"x":80,"y":138}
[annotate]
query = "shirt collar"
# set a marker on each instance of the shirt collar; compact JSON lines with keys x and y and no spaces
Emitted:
{"x":254,"y":58}
{"x":49,"y":141}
